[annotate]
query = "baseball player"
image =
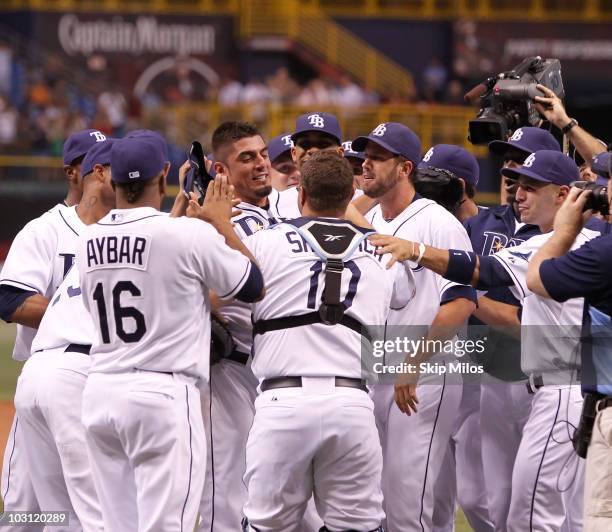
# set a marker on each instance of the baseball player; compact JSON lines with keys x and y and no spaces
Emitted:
{"x":314,"y":431}
{"x":463,"y":458}
{"x":145,"y":280}
{"x":283,"y":172}
{"x":546,"y":475}
{"x":49,"y":389}
{"x":242,"y":155}
{"x":503,"y":396}
{"x":40,"y":256}
{"x":314,"y":132}
{"x":392,"y":152}
{"x":355,"y":158}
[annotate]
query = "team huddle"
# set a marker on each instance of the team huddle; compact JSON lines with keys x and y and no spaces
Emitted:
{"x":123,"y":421}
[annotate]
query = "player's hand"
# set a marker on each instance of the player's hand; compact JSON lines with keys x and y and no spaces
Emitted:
{"x":218,"y":203}
{"x":570,"y":218}
{"x":399,"y":248}
{"x":405,"y":391}
{"x":551,"y":107}
{"x":185,"y":167}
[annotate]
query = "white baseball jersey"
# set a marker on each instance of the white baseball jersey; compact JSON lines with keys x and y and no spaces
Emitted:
{"x":59,"y":326}
{"x":551,"y":348}
{"x":145,"y":279}
{"x":427,"y":222}
{"x":41,"y":255}
{"x":237,"y":313}
{"x":295,"y":277}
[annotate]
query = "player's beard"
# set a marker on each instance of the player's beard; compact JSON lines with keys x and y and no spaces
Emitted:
{"x":263,"y":192}
{"x":380,"y":188}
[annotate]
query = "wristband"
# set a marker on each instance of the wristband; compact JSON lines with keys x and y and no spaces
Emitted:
{"x":421,"y":253}
{"x":461,"y":265}
{"x":566,"y":129}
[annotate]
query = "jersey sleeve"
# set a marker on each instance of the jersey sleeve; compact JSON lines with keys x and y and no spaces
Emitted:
{"x":28,"y":265}
{"x":224,"y":269}
{"x":452,"y":236}
{"x":583,"y":272}
{"x":515,"y":261}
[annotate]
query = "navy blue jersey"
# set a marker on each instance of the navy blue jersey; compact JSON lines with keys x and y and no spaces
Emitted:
{"x":585,"y":272}
{"x":490,"y":231}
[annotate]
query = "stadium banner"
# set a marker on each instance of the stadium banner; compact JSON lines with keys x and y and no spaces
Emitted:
{"x":142,"y":50}
{"x":485,"y":48}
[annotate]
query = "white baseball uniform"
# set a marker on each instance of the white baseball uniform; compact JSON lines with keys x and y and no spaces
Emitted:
{"x":145,"y":279}
{"x":318,"y":439}
{"x":414,"y":446}
{"x":40,"y":256}
{"x":547,"y":474}
{"x":48,"y":402}
{"x":229,"y":407}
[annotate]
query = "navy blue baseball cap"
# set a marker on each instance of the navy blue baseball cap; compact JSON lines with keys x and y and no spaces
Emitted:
{"x":526,"y":140}
{"x":136,"y":159}
{"x":455,"y":159}
{"x":279,"y":145}
{"x":321,"y":122}
{"x":154,"y":135}
{"x":549,"y":166}
{"x":601,"y":164}
{"x":394,"y":137}
{"x":98,"y":154}
{"x":347,"y":145}
{"x":79,"y":143}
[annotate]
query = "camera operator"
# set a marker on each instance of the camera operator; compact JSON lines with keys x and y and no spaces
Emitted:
{"x":556,"y":272}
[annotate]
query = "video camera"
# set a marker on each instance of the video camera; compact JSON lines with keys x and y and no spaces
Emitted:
{"x":508,"y":98}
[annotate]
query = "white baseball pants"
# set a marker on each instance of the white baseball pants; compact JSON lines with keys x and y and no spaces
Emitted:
{"x":147,"y":447}
{"x":316,"y":440}
{"x":48,"y":402}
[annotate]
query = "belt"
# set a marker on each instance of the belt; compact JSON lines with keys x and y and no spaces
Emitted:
{"x":78,"y":348}
{"x":239,"y":357}
{"x":535,"y":383}
{"x":604,"y":403}
{"x":296,"y":382}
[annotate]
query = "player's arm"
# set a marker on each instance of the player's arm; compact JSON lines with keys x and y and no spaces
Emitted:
{"x":364,"y":203}
{"x":22,"y":306}
{"x":452,"y":315}
{"x":456,"y":265}
{"x":354,"y":216}
{"x":497,"y":313}
{"x":551,"y":108}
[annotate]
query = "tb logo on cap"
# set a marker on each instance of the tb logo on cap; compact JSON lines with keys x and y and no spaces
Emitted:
{"x":517,"y":135}
{"x":100,"y":137}
{"x":287,"y":141}
{"x":428,"y":155}
{"x":316,"y":120}
{"x":529,"y":161}
{"x":134,"y":175}
{"x":348,"y":146}
{"x":379,"y":130}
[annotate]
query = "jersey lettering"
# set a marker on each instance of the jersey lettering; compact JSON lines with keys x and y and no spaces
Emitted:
{"x":301,"y":246}
{"x":250,"y":224}
{"x":495,"y":242}
{"x":68,"y":262}
{"x":127,"y":250}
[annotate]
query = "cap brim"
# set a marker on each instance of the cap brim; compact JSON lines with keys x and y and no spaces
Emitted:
{"x":297,"y":135}
{"x":515,"y":173}
{"x":360,"y":143}
{"x":359,"y":156}
{"x":499,"y":147}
